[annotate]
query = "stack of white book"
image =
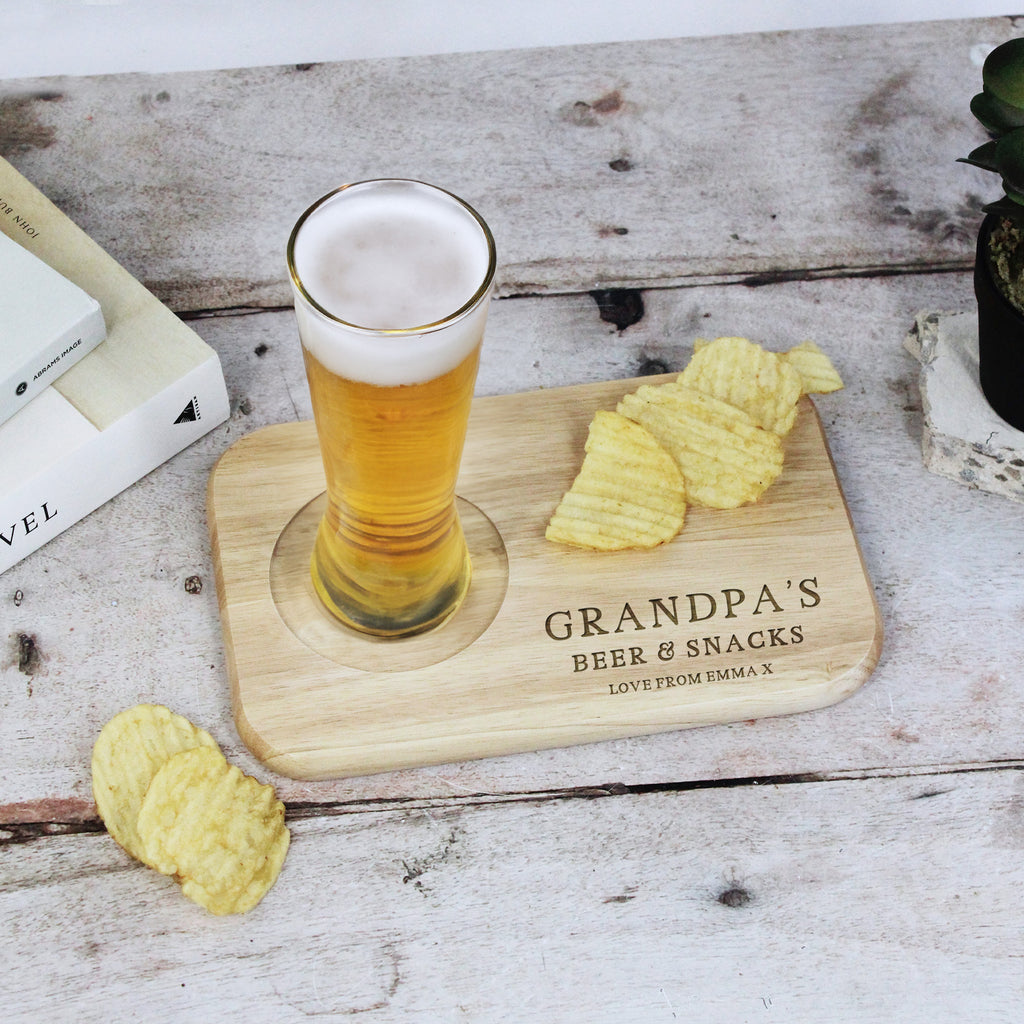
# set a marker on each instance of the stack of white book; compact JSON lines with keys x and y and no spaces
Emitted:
{"x":100,"y":383}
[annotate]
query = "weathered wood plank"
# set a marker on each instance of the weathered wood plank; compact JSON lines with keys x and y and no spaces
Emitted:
{"x":114,"y":622}
{"x":868,"y":901}
{"x":636,"y":163}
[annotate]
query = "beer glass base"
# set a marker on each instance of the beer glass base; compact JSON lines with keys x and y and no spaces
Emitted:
{"x":398,"y":622}
{"x":298,"y":606}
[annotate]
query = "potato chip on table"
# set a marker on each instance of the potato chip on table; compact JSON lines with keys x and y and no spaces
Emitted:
{"x":221,"y":833}
{"x":167,"y":795}
{"x":725,"y":457}
{"x":761,"y":383}
{"x":629,"y":492}
{"x":129,"y":751}
{"x":817,"y":374}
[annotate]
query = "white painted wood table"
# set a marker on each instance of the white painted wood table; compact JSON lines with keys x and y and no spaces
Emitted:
{"x":860,"y":863}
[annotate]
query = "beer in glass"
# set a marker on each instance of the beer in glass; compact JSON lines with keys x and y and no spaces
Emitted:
{"x":392,"y":281}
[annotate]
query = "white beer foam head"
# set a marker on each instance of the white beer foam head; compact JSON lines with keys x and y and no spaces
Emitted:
{"x":391,"y":281}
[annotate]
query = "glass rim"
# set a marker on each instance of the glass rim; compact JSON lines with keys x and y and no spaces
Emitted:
{"x":434,"y":325}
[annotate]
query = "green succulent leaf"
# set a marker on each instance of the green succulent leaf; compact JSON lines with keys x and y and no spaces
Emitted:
{"x":984,"y":157}
{"x":1009,"y":158}
{"x":1006,"y":207}
{"x":1016,"y":197}
{"x":995,"y":115}
{"x":1003,"y":72}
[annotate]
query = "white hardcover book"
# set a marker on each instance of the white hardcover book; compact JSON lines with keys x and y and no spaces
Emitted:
{"x":142,"y":395}
{"x":47,"y":324}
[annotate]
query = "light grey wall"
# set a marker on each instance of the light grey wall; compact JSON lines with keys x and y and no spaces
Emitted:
{"x":46,"y":37}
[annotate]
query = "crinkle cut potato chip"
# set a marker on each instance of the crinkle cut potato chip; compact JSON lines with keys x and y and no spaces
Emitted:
{"x":221,"y":833}
{"x":739,"y":372}
{"x":227,"y":844}
{"x":817,"y":374}
{"x":726,"y":459}
{"x":129,"y":751}
{"x":629,"y":492}
{"x":722,"y":421}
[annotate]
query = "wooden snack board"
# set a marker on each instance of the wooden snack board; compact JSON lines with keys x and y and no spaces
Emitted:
{"x":757,"y":611}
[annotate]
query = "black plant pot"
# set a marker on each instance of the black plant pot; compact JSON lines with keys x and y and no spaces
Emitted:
{"x":1000,"y":337}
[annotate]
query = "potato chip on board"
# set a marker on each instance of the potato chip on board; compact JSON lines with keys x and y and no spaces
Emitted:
{"x":726,"y":459}
{"x":817,"y":374}
{"x":129,"y":751}
{"x":629,"y":492}
{"x":739,"y":372}
{"x":221,"y":833}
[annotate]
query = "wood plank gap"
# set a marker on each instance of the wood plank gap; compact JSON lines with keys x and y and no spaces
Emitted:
{"x":214,"y":312}
{"x":20,"y":833}
{"x":299,"y":811}
{"x":751,"y":279}
{"x":841,"y":273}
{"x":757,"y":279}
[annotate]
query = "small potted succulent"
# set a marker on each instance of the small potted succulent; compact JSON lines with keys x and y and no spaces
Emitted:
{"x":999,"y":263}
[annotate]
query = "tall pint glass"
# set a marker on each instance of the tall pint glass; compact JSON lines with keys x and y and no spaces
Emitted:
{"x":392,"y":281}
